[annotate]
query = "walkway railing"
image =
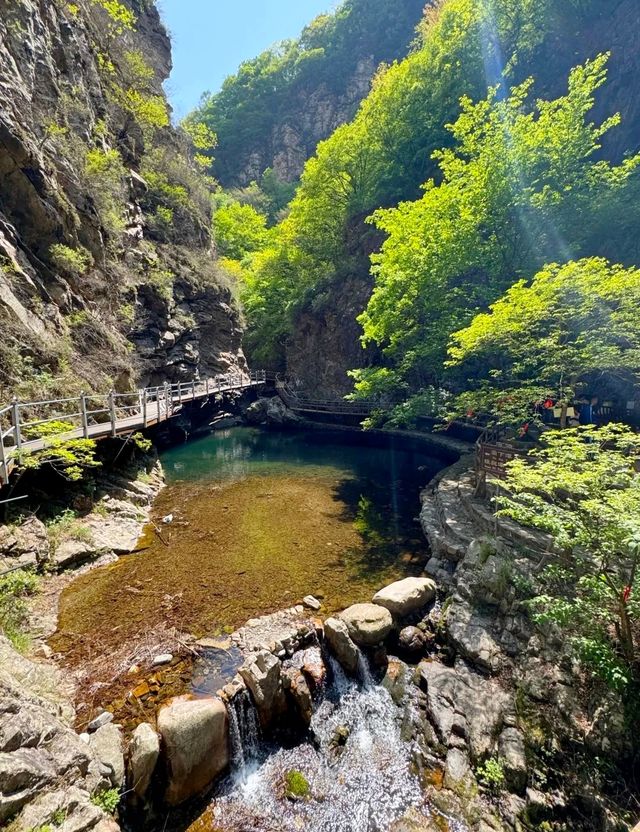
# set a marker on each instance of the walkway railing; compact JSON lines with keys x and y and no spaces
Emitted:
{"x":302,"y":402}
{"x":26,"y":427}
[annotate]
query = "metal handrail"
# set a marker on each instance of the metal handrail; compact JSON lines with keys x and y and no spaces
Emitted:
{"x":148,"y":404}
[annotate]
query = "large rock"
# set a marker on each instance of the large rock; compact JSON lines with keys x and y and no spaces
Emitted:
{"x":368,"y":624}
{"x":70,"y":802}
{"x":25,"y":546}
{"x":337,"y":635}
{"x":144,"y":750}
{"x":469,"y":633}
{"x":300,"y":693}
{"x":262,"y":673}
{"x":404,"y":597}
{"x":107,"y":745}
{"x":195,"y":737}
{"x":461,"y":704}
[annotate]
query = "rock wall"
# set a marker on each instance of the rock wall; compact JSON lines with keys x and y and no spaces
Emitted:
{"x":95,"y":291}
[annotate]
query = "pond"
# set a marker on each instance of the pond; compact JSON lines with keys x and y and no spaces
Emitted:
{"x":260,"y":519}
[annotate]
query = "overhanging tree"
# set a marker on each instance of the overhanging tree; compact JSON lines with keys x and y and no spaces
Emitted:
{"x":571,"y":323}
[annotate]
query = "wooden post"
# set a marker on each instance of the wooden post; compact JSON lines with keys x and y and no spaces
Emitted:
{"x":112,"y":412}
{"x":83,"y":415}
{"x":15,"y":421}
{"x":144,"y":407}
{"x":158,"y":401}
{"x":167,"y":403}
{"x":180,"y":392}
{"x":193,"y":389}
{"x":206,"y":385}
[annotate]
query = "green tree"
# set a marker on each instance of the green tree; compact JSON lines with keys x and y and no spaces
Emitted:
{"x":238,"y":229}
{"x":521,"y":178}
{"x":582,"y":487}
{"x":548,"y":337}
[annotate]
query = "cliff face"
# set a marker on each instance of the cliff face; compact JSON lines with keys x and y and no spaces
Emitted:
{"x":276,"y":109}
{"x":106,"y":272}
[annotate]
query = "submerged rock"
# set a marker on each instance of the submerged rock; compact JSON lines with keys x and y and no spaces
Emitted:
{"x":341,"y":644}
{"x":144,"y":751}
{"x":368,"y":624}
{"x":195,"y":736}
{"x":402,"y":598}
{"x":300,"y":694}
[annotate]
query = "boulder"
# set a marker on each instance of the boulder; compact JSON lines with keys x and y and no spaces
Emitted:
{"x":311,"y":602}
{"x":368,"y":624}
{"x":195,"y":739}
{"x":103,"y":718}
{"x":469,"y":633}
{"x":337,"y":635}
{"x":314,"y":669}
{"x":298,"y":688}
{"x":414,"y":821}
{"x":26,"y":546}
{"x":407,"y":596}
{"x":144,"y":750}
{"x":106,"y":742}
{"x":262,"y":674}
{"x":256,"y":413}
{"x":463,"y":704}
{"x":70,"y":802}
{"x":412,"y":640}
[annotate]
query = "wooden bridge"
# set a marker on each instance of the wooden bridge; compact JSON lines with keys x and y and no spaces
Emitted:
{"x":303,"y":403}
{"x":28,"y":427}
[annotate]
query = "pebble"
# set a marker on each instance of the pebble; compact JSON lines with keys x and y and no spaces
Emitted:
{"x":311,"y":602}
{"x":165,"y":658}
{"x":102,"y":719}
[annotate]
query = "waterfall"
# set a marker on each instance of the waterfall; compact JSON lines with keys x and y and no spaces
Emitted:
{"x":244,"y":734}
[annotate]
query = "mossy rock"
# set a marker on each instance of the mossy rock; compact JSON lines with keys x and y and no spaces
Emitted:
{"x":296,"y":785}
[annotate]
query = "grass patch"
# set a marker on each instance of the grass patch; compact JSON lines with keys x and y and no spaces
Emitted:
{"x":15,"y":588}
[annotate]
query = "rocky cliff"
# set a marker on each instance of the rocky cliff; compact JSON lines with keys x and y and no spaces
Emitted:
{"x":106,"y":272}
{"x":276,"y":109}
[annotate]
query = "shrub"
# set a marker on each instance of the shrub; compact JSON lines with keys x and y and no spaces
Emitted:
{"x":105,"y":175}
{"x":107,"y":800}
{"x":491,"y":774}
{"x":74,"y":261}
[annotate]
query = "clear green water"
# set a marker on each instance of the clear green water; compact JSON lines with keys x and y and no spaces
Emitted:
{"x":261,"y":518}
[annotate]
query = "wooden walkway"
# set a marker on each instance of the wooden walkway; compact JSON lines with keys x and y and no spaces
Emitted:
{"x":302,"y":403}
{"x":28,"y":427}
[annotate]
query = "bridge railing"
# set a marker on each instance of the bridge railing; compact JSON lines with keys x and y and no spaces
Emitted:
{"x":300,"y":401}
{"x":36,"y":425}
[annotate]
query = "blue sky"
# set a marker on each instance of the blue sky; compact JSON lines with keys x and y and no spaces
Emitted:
{"x":212,"y":37}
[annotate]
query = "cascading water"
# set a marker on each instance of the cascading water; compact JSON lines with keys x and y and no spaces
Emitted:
{"x":244,"y":734}
{"x":357,"y":766}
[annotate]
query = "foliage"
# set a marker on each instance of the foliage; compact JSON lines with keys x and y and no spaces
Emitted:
{"x":14,"y":589}
{"x":379,"y":158}
{"x":141,"y":442}
{"x":520,"y":180}
{"x":121,"y":19}
{"x":238,"y":229}
{"x":568,"y":323}
{"x":105,"y":175}
{"x":258,"y":98}
{"x":296,"y":785}
{"x":107,"y":800}
{"x":491,"y":774}
{"x":67,"y":526}
{"x":75,"y":261}
{"x":68,"y":457}
{"x":582,"y":487}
